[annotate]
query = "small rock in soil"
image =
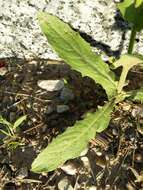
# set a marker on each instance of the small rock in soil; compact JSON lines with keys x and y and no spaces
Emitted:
{"x":65,"y":184}
{"x":85,"y":161}
{"x":66,"y":94}
{"x":3,"y":71}
{"x":70,"y":168}
{"x":51,"y":85}
{"x":62,"y":108}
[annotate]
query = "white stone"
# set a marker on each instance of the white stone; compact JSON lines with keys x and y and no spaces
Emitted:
{"x":51,"y":85}
{"x":69,"y":168}
{"x":3,"y":71}
{"x":85,"y":161}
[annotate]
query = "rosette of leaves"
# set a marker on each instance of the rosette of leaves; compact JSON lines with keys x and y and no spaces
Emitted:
{"x":76,"y":52}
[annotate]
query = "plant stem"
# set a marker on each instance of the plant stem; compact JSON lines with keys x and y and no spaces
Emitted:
{"x":132,"y":40}
{"x":122,"y":80}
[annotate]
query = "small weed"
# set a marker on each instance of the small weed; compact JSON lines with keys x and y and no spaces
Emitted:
{"x":10,"y":130}
{"x":76,"y":52}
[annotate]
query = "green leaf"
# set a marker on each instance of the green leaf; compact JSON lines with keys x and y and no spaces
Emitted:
{"x":73,"y":141}
{"x":132,"y":11}
{"x":128,"y":61}
{"x":4,"y":132}
{"x":5,"y":122}
{"x":104,"y":113}
{"x":136,"y":95}
{"x":76,"y":52}
{"x":19,"y":121}
{"x":138,"y":3}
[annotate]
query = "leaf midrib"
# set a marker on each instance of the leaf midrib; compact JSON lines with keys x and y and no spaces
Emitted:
{"x":89,"y":127}
{"x":84,"y":59}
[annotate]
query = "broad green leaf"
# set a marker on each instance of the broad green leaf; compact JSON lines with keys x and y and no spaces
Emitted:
{"x":132,"y":11}
{"x":73,"y":141}
{"x":136,"y":95}
{"x":19,"y":121}
{"x":128,"y":61}
{"x":76,"y":52}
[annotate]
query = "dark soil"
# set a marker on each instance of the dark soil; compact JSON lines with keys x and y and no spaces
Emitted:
{"x":115,"y":156}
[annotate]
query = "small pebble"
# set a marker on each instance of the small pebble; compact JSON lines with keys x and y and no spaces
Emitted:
{"x":51,"y":85}
{"x":66,"y":94}
{"x":85,"y":161}
{"x":69,"y":168}
{"x":62,"y":108}
{"x":99,"y":153}
{"x":115,"y":132}
{"x":3,"y":71}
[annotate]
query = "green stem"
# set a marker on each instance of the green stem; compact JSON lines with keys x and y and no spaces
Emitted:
{"x":122,"y":80}
{"x":132,"y":40}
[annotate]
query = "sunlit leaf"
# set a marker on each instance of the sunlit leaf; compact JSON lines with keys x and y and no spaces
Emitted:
{"x":138,"y":3}
{"x":73,"y":141}
{"x":4,"y":132}
{"x":128,"y":61}
{"x":19,"y":121}
{"x":5,"y":122}
{"x":76,"y":52}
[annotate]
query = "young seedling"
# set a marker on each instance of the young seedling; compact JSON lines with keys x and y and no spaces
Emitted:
{"x":10,"y":129}
{"x":76,"y":52}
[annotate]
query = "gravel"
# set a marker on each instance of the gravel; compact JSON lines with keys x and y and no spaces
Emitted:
{"x":20,"y":33}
